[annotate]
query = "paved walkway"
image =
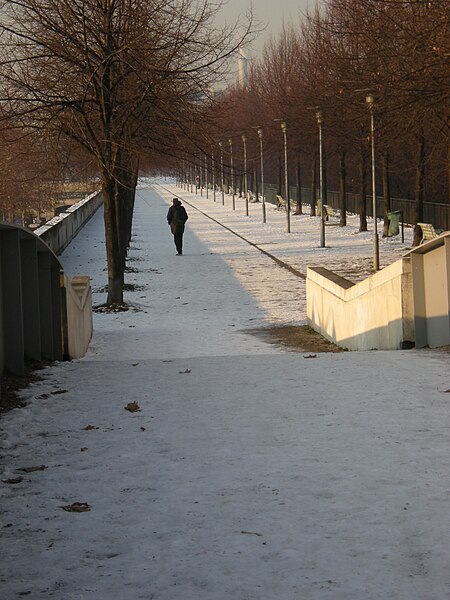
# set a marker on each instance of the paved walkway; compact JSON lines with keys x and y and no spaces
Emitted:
{"x":249,"y":473}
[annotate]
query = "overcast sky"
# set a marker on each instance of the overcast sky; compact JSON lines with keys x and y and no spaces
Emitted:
{"x":269,"y":12}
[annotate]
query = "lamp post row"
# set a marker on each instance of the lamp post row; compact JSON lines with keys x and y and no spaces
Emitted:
{"x":319,"y":117}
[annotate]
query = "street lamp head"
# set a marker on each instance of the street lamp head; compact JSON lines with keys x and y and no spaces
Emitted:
{"x":283,"y":126}
{"x":319,"y":117}
{"x":230,"y":141}
{"x":244,"y":139}
{"x":370,"y":101}
{"x":260,"y":132}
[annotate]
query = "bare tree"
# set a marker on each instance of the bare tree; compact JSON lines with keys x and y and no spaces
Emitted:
{"x":115,"y":76}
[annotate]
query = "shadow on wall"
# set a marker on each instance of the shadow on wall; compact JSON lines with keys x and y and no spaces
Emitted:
{"x":42,"y":315}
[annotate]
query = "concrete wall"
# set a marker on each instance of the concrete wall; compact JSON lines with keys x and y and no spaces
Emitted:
{"x":405,"y":304}
{"x":43,"y":315}
{"x":60,"y":231}
{"x":31,"y":314}
{"x":372,"y":314}
{"x":79,"y":315}
{"x":431,"y":279}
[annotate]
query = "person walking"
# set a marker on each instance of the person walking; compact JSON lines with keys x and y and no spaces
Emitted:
{"x":177,"y":217}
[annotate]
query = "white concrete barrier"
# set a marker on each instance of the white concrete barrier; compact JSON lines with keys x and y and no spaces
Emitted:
{"x":405,"y":304}
{"x":79,"y":315}
{"x":373,"y":314}
{"x":60,"y":231}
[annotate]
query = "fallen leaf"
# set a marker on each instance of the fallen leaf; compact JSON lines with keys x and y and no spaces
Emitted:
{"x":56,"y":392}
{"x":42,"y":397}
{"x":142,"y":428}
{"x":77,"y":507}
{"x":447,"y":391}
{"x":311,"y":356}
{"x":183,"y":372}
{"x":83,"y":449}
{"x":132,"y":407}
{"x":134,"y":364}
{"x":33,"y":469}
{"x":13,"y":481}
{"x":252,"y":533}
{"x":90,"y":427}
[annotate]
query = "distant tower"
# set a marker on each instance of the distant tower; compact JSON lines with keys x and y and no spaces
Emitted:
{"x":242,"y":69}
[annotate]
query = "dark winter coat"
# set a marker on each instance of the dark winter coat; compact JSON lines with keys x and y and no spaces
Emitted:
{"x":177,"y":217}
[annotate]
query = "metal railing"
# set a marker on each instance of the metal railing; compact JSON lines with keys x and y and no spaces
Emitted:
{"x":438,"y":214}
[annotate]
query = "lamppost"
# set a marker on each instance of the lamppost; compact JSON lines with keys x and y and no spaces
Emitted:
{"x":221,"y":172}
{"x":260,"y":135}
{"x":230,"y":141}
{"x":206,"y":176}
{"x":244,"y":141}
{"x":319,"y":118}
{"x":376,"y":251}
{"x":213,"y":174}
{"x":286,"y":179}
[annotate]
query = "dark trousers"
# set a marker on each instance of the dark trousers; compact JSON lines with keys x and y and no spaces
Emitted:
{"x":178,"y":238}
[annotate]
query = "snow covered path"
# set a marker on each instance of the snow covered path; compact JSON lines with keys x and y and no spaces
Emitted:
{"x":250,"y":473}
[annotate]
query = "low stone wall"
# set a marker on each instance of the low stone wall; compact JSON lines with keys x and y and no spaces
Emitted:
{"x":60,"y":231}
{"x":43,"y":315}
{"x":376,"y":313}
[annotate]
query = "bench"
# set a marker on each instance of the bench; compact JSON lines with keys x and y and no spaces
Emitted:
{"x":331,"y":213}
{"x":428,"y":232}
{"x":281,"y":203}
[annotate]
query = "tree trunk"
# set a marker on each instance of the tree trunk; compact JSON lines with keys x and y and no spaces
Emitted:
{"x":386,"y":191}
{"x":113,"y":252}
{"x":299,"y":209}
{"x":419,"y":188}
{"x":343,"y":190}
{"x":313,"y":185}
{"x":363,"y":190}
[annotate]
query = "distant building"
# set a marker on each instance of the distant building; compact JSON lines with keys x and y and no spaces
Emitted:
{"x":242,"y":69}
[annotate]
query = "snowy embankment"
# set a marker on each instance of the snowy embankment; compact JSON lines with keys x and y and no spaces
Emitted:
{"x":248,"y":472}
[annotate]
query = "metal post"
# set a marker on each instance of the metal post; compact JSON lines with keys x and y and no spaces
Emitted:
{"x":376,"y":251}
{"x":244,"y":140}
{"x":230,"y":141}
{"x":206,"y":176}
{"x":213,"y":173}
{"x":221,"y":172}
{"x":321,"y":181}
{"x":260,"y":135}
{"x":286,"y":179}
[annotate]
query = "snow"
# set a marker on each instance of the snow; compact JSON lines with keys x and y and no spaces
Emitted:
{"x":250,"y":472}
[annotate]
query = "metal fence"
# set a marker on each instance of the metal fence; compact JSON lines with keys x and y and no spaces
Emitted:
{"x":438,"y":214}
